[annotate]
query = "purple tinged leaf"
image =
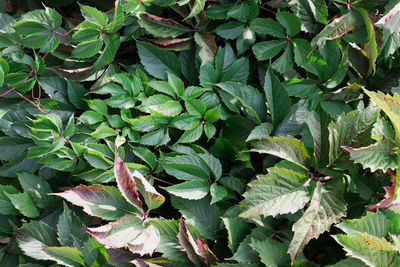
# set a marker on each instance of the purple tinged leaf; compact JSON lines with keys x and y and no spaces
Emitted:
{"x":98,"y":200}
{"x":187,"y":242}
{"x":119,"y":233}
{"x":152,"y":198}
{"x":126,"y":182}
{"x":206,"y":253}
{"x":146,"y":242}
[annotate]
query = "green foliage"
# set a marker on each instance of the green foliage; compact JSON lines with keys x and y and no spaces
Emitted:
{"x":203,"y":133}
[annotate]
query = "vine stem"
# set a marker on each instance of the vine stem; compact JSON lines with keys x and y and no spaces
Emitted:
{"x":267,"y":9}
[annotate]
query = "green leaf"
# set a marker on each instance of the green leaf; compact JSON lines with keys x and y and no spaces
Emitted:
{"x":118,"y":19}
{"x":157,"y":61}
{"x":68,"y":256}
{"x":245,"y":253}
{"x":209,"y":130}
{"x":375,"y":224}
{"x":290,"y":22}
{"x":371,"y":46}
{"x":268,"y":49}
{"x":281,"y":191}
{"x":212,"y":164}
{"x":146,"y":155}
{"x":152,"y":198}
{"x":70,"y":229}
{"x":87,"y":49}
{"x":272,"y":252}
{"x":195,"y":107}
{"x":187,"y":167}
{"x":369,"y":249}
{"x":162,"y":87}
{"x":102,"y":201}
{"x":91,"y":117}
{"x":24,"y":203}
{"x":94,"y":15}
{"x":301,"y":49}
{"x":12,"y":147}
{"x":161,"y":27}
{"x":192,"y":135}
{"x":217,"y":192}
{"x":37,"y":187}
{"x":156,"y":138}
{"x":378,"y":156}
{"x":268,"y":26}
{"x":212,"y":115}
{"x":28,"y":27}
{"x":103,"y":131}
{"x":108,"y":53}
{"x":119,"y":233}
{"x":390,"y":105}
{"x":195,"y":189}
{"x":230,"y":30}
{"x":237,"y":229}
{"x":34,"y":237}
{"x":285,"y":147}
{"x":347,"y":127}
{"x":97,"y":159}
{"x":76,"y":94}
{"x":337,"y":28}
{"x":326,"y":207}
{"x":277,"y":98}
{"x":260,"y":131}
{"x":248,"y":97}
{"x":197,"y":7}
{"x":200,"y":213}
{"x":285,"y":62}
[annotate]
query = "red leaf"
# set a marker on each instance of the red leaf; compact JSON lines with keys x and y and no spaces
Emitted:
{"x":205,"y":252}
{"x":187,"y":242}
{"x":125,"y":181}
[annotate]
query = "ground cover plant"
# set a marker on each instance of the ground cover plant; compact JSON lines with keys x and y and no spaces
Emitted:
{"x":199,"y":133}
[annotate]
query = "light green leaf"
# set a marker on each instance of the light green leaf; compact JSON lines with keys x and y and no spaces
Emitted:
{"x":67,"y":256}
{"x":390,"y":105}
{"x":108,"y":53}
{"x":87,"y":49}
{"x":217,"y":193}
{"x":197,"y":7}
{"x":260,"y":131}
{"x":285,"y":147}
{"x":118,"y":19}
{"x":272,"y":252}
{"x":192,"y":135}
{"x":378,"y":156}
{"x":91,"y":117}
{"x":103,"y":131}
{"x":369,"y":249}
{"x":24,"y":203}
{"x":195,"y":189}
{"x":187,"y":167}
{"x":94,"y":15}
{"x":375,"y":224}
{"x":281,"y":191}
{"x":326,"y":207}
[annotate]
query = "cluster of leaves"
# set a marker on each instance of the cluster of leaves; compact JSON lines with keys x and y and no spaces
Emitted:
{"x":181,"y":133}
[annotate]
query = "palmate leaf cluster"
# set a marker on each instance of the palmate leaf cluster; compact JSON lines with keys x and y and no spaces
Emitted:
{"x":200,"y":133}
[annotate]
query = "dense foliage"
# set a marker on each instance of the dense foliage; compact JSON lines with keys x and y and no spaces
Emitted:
{"x":194,"y":132}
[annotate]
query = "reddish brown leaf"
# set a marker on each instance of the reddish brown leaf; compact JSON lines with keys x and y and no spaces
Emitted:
{"x":391,"y":196}
{"x":74,"y":74}
{"x":206,"y":253}
{"x":125,"y":181}
{"x":172,"y":44}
